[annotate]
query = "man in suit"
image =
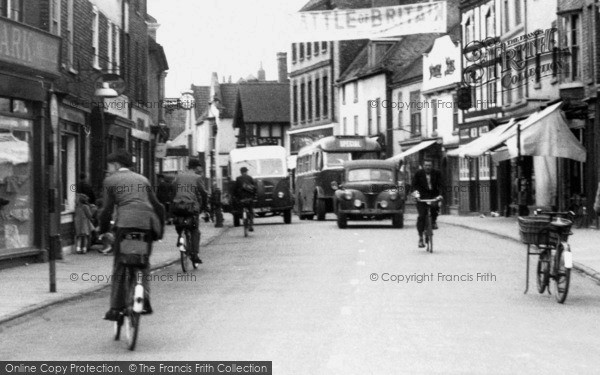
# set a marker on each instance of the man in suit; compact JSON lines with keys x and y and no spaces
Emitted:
{"x":136,"y":208}
{"x":190,"y":199}
{"x":427,"y":184}
{"x":244,"y":192}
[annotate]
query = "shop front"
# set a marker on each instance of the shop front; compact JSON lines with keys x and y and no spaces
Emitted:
{"x":27,"y":71}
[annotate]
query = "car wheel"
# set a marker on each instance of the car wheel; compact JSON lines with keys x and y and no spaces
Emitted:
{"x":320,"y":209}
{"x":342,"y":221}
{"x":398,"y":221}
{"x":287,"y":216}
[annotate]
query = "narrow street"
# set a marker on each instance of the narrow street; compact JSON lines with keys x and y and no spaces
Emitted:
{"x":301,"y":295}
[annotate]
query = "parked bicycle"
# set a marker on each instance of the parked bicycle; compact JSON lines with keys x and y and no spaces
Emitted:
{"x":428,"y":230}
{"x":134,"y":252}
{"x":546,"y":235}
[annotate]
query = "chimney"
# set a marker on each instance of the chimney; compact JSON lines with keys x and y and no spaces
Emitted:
{"x":229,"y":80}
{"x":282,"y":72}
{"x":261,"y":73}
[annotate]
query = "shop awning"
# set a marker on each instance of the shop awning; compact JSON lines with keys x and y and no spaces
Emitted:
{"x":421,"y":146}
{"x":545,"y":133}
{"x":484,"y":143}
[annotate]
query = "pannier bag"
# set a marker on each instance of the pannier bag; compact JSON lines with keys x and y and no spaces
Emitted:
{"x":134,"y":249}
{"x":183,"y":208}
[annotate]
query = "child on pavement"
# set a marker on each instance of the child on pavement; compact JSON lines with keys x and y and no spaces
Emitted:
{"x":83,"y":224}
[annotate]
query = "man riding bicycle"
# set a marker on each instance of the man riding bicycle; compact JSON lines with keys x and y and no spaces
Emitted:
{"x":427,"y":184}
{"x":244,"y":192}
{"x":189,"y":201}
{"x":137,"y":208}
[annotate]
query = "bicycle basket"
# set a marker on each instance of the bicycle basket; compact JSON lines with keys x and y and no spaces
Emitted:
{"x":530,"y":227}
{"x":560,"y":227}
{"x":134,"y":250}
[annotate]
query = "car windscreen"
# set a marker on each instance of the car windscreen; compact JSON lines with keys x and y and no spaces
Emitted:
{"x":370,"y":174}
{"x":335,"y":159}
{"x":260,"y":168}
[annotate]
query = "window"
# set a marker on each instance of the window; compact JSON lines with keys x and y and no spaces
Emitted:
{"x":378,"y":109}
{"x":415,"y":114}
{"x":69,"y":168}
{"x":571,"y":38}
{"x":345,"y":122}
{"x":463,"y":169}
{"x":468,"y":31}
{"x":295,"y":103}
{"x":324,"y":47}
{"x":489,"y":24}
{"x":325,"y":97}
{"x":400,"y":110}
{"x":316,"y":49}
{"x":301,"y":46}
{"x":369,"y":117}
{"x":4,"y":8}
{"x":117,"y":49}
{"x":491,"y":86}
{"x":109,"y":47}
{"x":317,"y":98}
{"x":310,"y":101}
{"x":54,"y":16}
{"x":302,"y":102}
{"x":454,"y":112}
{"x":16,"y":10}
{"x":355,"y":87}
{"x":343,"y":94}
{"x":96,"y":38}
{"x":356,"y":125}
{"x":434,"y":114}
{"x":69,"y":38}
{"x":308,"y":50}
{"x":506,"y":17}
{"x":517,"y":4}
{"x":294,"y":52}
{"x":484,"y":167}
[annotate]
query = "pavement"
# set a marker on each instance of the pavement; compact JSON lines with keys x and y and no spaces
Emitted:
{"x":586,"y":253}
{"x":26,"y":289}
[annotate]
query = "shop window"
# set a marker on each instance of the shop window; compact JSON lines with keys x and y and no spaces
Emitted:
{"x":484,"y":167}
{"x":69,"y":168}
{"x":463,"y":169}
{"x":16,"y":183}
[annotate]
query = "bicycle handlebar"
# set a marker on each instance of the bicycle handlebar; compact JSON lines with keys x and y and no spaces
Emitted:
{"x":428,"y":200}
{"x":554,"y":213}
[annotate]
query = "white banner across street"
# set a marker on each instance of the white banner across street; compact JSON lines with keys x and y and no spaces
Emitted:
{"x":369,"y":23}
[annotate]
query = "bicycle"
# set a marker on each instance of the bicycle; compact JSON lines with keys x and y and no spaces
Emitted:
{"x":428,"y":230}
{"x":135,"y":247}
{"x":555,"y":259}
{"x":184,"y":241}
{"x":246,"y":216}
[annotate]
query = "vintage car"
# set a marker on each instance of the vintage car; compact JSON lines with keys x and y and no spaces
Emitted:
{"x":370,"y":189}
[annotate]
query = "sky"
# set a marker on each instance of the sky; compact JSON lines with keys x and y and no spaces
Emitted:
{"x":229,"y":37}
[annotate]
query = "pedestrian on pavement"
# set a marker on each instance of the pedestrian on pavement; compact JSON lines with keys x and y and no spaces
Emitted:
{"x":83,"y":224}
{"x":136,"y":208}
{"x":427,"y":184}
{"x":189,"y":201}
{"x":244,"y":192}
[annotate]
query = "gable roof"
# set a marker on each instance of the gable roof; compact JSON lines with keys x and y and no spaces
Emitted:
{"x":201,"y":99}
{"x":262,"y":102}
{"x":175,"y":120}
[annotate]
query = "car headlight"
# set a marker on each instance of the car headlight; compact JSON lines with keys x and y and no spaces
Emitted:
{"x":393,"y":195}
{"x":383,"y":204}
{"x":281,"y":194}
{"x":347,"y":195}
{"x":357,"y":203}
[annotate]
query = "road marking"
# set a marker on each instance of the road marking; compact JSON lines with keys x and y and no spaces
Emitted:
{"x":345,"y":310}
{"x":360,"y":263}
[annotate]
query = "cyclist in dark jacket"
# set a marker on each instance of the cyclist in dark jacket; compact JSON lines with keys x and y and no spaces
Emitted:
{"x":427,"y":184}
{"x":244,"y":193}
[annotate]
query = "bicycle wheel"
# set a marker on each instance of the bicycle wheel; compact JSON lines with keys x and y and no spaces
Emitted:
{"x":429,"y":235}
{"x":131,"y":318}
{"x":184,"y":255}
{"x":189,"y":246}
{"x":562,"y":276}
{"x":246,"y":223}
{"x":543,"y":272}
